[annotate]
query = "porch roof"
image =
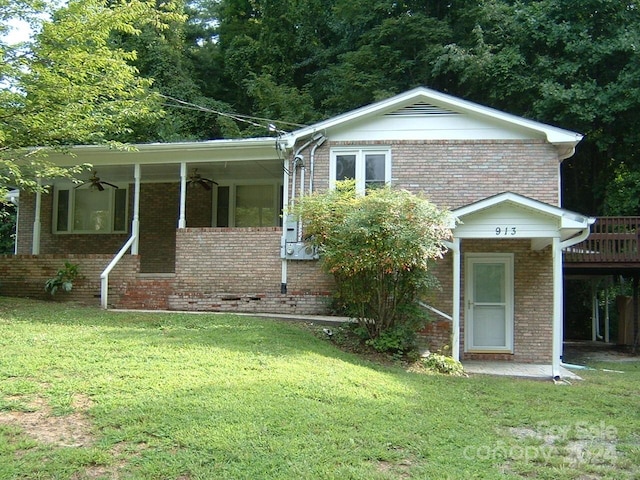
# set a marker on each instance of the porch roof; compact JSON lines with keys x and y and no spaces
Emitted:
{"x":509,"y":215}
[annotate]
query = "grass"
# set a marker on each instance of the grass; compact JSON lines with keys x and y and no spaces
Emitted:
{"x":88,"y":394}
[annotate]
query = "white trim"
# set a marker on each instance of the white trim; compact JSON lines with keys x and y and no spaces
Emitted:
{"x":360,"y":166}
{"x":508,"y":260}
{"x":558,"y":302}
{"x":37,"y":226}
{"x":558,"y":136}
{"x":455,"y":327}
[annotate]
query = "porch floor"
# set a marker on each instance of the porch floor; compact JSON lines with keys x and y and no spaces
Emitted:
{"x":523,"y":370}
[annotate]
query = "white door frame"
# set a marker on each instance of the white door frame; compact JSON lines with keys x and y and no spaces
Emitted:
{"x":470,"y":260}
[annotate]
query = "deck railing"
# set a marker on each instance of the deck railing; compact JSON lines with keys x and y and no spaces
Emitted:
{"x":612,"y":240}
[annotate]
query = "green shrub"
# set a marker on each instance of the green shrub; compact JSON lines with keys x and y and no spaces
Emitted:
{"x":63,"y":280}
{"x":438,"y":363}
{"x":379,"y":248}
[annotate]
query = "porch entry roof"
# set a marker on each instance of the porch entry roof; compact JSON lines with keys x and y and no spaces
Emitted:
{"x":509,"y":216}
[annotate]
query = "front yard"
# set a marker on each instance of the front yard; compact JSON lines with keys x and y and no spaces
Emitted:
{"x":87,"y":394}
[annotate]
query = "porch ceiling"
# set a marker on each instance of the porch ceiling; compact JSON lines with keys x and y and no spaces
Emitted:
{"x":225,"y":171}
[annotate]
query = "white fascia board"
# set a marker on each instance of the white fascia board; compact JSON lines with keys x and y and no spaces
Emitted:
{"x":567,"y":219}
{"x":158,"y":153}
{"x":565,"y":139}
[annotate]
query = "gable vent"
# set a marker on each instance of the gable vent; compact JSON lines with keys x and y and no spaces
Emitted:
{"x":421,"y":108}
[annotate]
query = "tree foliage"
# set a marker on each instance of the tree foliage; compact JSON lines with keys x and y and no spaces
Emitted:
{"x":72,"y":84}
{"x":379,"y":248}
{"x":574,"y":64}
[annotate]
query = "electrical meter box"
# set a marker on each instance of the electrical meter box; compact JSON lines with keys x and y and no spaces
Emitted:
{"x":292,"y":248}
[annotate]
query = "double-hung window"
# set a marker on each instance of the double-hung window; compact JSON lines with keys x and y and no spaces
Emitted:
{"x":369,"y":167}
{"x":88,"y":210}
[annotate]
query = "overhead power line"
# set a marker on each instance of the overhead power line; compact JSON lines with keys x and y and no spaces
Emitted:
{"x":251,"y":120}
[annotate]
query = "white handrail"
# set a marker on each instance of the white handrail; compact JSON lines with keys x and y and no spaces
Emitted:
{"x":435,"y":310}
{"x":104,"y":276}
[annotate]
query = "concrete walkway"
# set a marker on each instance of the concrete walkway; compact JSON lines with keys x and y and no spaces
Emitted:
{"x":511,"y":369}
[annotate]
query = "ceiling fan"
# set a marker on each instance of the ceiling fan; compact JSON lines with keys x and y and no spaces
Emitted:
{"x":196,"y":179}
{"x":95,"y":182}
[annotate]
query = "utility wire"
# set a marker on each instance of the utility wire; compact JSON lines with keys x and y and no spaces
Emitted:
{"x":235,"y":116}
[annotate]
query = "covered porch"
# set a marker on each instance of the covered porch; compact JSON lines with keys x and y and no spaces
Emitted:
{"x":504,"y":247}
{"x":179,"y":226}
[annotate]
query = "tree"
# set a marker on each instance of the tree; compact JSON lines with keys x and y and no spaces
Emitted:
{"x":573,"y":63}
{"x":379,"y":248}
{"x":71,"y":84}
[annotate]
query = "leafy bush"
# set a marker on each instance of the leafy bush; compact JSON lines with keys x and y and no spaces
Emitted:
{"x":438,"y":363}
{"x":379,"y":248}
{"x":63,"y":280}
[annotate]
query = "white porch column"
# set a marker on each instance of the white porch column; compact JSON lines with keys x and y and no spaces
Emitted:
{"x":35,"y":243}
{"x":182,"y":220}
{"x":455,"y":324}
{"x":558,"y":330}
{"x":135,"y":224}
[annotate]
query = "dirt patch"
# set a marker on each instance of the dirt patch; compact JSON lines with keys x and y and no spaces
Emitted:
{"x":72,"y":430}
{"x":583,"y":353}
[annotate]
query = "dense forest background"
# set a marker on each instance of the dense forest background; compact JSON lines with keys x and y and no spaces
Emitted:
{"x":574,"y":64}
{"x":227,"y":68}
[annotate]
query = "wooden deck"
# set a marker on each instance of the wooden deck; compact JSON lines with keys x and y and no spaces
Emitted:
{"x":612,"y":247}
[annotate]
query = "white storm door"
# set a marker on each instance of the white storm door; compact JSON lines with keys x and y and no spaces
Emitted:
{"x":489,"y":303}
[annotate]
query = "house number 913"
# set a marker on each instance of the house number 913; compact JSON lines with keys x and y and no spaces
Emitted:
{"x":506,"y":231}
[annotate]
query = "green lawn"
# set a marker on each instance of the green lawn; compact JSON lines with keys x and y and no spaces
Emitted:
{"x":88,"y":394}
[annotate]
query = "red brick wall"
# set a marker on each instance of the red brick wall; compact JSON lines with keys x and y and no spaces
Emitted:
{"x":454,"y":173}
{"x":25,"y":276}
{"x":239,"y":269}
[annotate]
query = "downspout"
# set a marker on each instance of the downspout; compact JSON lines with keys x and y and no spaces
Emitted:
{"x":35,"y":243}
{"x":283,"y":239}
{"x":312,"y":158}
{"x":285,"y":202}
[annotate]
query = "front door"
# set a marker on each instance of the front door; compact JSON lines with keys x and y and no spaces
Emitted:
{"x":489,"y":303}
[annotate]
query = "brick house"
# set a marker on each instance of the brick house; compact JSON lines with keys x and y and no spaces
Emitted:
{"x":198,"y":225}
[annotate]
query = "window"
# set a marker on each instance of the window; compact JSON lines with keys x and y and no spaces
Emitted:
{"x":88,"y":210}
{"x":368,"y":167}
{"x":248,"y":205}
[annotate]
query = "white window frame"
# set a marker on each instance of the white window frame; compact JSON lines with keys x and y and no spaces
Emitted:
{"x":277,"y":202}
{"x":109,"y":191}
{"x":360,"y":154}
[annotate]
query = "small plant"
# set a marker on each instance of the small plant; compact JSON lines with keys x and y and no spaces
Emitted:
{"x":439,"y":363}
{"x":63,"y":279}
